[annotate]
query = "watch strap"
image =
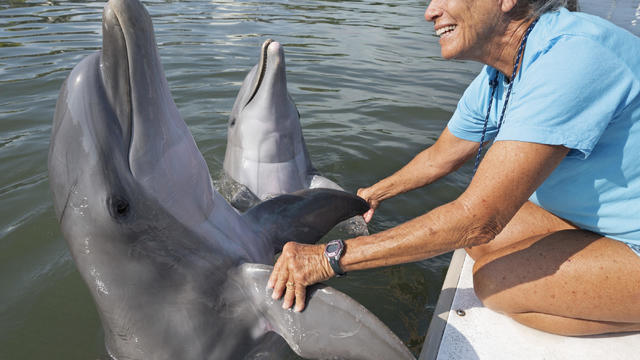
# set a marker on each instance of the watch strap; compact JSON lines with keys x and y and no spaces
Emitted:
{"x":335,"y":265}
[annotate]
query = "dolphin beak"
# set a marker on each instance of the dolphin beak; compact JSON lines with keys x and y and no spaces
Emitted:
{"x":262,"y":68}
{"x":131,"y":69}
{"x":136,"y":85}
{"x":115,"y":69}
{"x":270,"y":72}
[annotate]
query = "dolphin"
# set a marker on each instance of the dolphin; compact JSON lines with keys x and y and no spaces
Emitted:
{"x":266,"y":153}
{"x":175,"y":271}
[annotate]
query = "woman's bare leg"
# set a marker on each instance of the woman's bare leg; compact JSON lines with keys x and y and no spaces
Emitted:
{"x":570,"y":282}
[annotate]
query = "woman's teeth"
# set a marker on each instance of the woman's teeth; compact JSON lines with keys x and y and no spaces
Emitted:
{"x":444,"y":30}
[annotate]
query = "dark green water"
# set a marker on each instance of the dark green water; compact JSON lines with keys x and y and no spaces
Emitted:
{"x":368,"y":81}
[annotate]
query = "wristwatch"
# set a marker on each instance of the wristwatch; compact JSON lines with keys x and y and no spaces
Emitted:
{"x":333,"y":251}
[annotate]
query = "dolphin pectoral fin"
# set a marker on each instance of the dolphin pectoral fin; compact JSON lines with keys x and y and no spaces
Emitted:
{"x":305,"y":216}
{"x":333,"y":325}
{"x":352,"y":227}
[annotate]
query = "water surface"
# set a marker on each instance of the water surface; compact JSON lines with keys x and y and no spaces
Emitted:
{"x":368,"y":81}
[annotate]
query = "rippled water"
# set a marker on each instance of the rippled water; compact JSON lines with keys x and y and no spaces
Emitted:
{"x":367,"y":79}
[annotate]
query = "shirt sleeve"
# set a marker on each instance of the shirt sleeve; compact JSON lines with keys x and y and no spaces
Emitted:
{"x":568,"y":96}
{"x":468,"y":119}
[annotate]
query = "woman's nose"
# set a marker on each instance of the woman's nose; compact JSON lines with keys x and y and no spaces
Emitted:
{"x":434,"y":10}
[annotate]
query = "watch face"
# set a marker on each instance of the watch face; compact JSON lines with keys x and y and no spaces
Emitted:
{"x":333,"y":248}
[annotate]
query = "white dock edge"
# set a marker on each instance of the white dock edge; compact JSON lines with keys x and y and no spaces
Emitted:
{"x":483,"y":334}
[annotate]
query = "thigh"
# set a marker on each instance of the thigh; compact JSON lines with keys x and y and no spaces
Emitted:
{"x":568,"y":273}
{"x":529,"y":221}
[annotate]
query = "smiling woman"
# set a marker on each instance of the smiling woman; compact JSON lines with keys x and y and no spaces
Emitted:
{"x":552,"y":216}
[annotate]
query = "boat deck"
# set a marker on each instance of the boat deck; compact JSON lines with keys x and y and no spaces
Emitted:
{"x":462,"y":328}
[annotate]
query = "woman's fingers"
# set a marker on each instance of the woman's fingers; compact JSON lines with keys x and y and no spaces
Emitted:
{"x":364,"y":193}
{"x":274,"y":276}
{"x":278,"y":279}
{"x":289,"y":294}
{"x":294,"y":292}
{"x":279,"y":288}
{"x":301,"y":297}
{"x":297,"y":267}
{"x":368,"y":215}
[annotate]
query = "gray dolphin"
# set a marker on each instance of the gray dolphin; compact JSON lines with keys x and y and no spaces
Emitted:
{"x":175,"y":271}
{"x":266,"y":153}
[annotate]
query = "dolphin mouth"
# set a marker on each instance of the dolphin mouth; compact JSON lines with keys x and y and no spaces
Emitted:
{"x":115,"y":69}
{"x":262,"y":69}
{"x":134,"y":79}
{"x":128,"y":65}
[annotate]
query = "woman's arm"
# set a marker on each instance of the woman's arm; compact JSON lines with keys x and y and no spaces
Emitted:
{"x":508,"y":175}
{"x":440,"y":159}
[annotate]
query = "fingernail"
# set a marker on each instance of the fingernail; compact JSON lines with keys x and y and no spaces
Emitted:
{"x":269,"y":285}
{"x":285,"y":305}
{"x":297,"y":309}
{"x":273,"y":296}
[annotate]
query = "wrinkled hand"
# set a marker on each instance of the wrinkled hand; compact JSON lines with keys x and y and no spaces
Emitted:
{"x":298,"y":266}
{"x":366,"y":194}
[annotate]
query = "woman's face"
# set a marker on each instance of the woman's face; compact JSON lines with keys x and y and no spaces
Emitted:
{"x":466,"y":27}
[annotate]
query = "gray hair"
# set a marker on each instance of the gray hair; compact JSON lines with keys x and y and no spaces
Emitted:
{"x":539,"y":7}
{"x":531,"y":9}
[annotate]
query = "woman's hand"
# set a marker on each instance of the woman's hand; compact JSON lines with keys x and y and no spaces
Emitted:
{"x":298,"y":266}
{"x":367,"y":195}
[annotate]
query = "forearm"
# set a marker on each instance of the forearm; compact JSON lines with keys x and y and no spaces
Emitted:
{"x":507,"y":177}
{"x":417,"y":173}
{"x":442,"y":158}
{"x":434,"y":233}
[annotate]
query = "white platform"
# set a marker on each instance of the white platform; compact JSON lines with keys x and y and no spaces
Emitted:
{"x":483,"y":334}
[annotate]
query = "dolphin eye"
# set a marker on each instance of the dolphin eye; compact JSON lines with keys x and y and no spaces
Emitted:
{"x":118,"y":206}
{"x":232,"y":121}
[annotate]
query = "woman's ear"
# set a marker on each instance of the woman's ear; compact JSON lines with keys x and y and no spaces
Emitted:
{"x":508,"y":5}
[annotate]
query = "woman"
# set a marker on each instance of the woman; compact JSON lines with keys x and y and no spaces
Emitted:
{"x":552,"y":215}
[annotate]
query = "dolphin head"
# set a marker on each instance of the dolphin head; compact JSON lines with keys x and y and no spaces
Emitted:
{"x":265,"y":147}
{"x":131,"y":191}
{"x":118,"y":140}
{"x":160,"y":145}
{"x":132,"y":123}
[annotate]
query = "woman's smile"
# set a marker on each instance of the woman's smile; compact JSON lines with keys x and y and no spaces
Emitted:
{"x":445,"y":30}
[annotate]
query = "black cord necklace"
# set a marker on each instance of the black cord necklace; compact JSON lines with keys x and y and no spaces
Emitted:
{"x":494,"y":84}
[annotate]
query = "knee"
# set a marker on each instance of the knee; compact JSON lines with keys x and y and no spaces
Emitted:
{"x":483,"y":281}
{"x":490,"y":286}
{"x":477,"y":252}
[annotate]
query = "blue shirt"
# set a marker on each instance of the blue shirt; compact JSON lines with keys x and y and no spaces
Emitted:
{"x":579,"y":86}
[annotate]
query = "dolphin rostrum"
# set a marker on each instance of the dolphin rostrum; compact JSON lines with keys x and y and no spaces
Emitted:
{"x":175,"y":271}
{"x":266,"y":153}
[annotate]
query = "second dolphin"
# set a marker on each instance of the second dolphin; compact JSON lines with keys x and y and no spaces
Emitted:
{"x":266,"y":153}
